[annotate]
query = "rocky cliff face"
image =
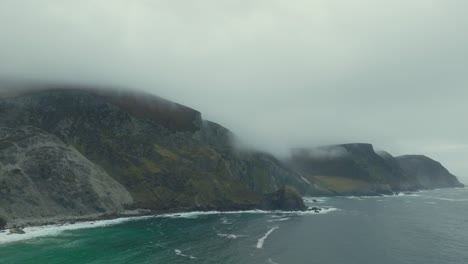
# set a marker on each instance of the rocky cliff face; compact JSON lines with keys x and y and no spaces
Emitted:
{"x":40,"y":176}
{"x":356,"y":169}
{"x":107,"y":151}
{"x":80,"y":152}
{"x":428,"y":172}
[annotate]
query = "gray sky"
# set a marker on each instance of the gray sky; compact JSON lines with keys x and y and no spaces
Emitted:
{"x":280,"y":74}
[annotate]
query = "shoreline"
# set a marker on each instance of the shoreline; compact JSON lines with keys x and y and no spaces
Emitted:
{"x":128,"y":215}
{"x":67,"y":220}
{"x":47,"y":228}
{"x":384,"y":194}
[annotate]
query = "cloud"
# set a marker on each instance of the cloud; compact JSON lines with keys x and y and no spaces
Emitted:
{"x":280,"y":74}
{"x":322,"y":152}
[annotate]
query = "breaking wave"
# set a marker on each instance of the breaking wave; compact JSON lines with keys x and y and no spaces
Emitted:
{"x":261,"y":241}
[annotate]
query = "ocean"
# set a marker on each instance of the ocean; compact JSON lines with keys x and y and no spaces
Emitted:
{"x":428,"y":227}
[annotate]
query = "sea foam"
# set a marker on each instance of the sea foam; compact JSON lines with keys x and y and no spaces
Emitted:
{"x":196,"y":214}
{"x":178,"y":252}
{"x":261,"y":240}
{"x":317,"y":199}
{"x":230,"y":236}
{"x":279,"y":219}
{"x":270,"y":261}
{"x":54,"y":230}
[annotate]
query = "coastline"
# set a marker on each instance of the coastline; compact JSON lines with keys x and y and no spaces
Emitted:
{"x":384,"y":194}
{"x":40,"y":227}
{"x":45,"y":228}
{"x":179,"y":231}
{"x":63,"y":220}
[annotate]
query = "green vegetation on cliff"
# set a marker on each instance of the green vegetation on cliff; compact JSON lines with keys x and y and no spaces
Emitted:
{"x":162,"y":153}
{"x":92,"y":151}
{"x":356,"y":169}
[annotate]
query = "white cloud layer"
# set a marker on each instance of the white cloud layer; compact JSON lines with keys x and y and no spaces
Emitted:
{"x":280,"y":74}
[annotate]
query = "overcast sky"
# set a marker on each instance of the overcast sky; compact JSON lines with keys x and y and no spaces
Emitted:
{"x":280,"y":74}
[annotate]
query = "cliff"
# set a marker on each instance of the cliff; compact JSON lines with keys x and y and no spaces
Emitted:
{"x":76,"y":152}
{"x":40,"y":176}
{"x":429,"y":173}
{"x":357,"y":169}
{"x":72,"y":152}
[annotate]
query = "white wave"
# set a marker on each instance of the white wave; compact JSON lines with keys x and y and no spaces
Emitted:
{"x":450,"y":199}
{"x":277,"y":216}
{"x":261,"y":241}
{"x":368,"y":197}
{"x":225,"y":221}
{"x":317,"y":199}
{"x":325,"y":210}
{"x":178,"y":252}
{"x":396,"y":195}
{"x":404,"y":194}
{"x":196,"y":214}
{"x":54,"y":230}
{"x":230,"y":236}
{"x":270,"y":261}
{"x":400,"y":194}
{"x":354,"y":197}
{"x":279,"y":219}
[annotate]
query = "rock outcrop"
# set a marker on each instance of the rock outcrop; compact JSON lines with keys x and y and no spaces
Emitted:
{"x":3,"y":223}
{"x":287,"y":198}
{"x":16,"y":230}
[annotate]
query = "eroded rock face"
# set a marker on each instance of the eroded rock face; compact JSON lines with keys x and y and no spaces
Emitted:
{"x":16,"y":230}
{"x":429,"y":173}
{"x":3,"y":223}
{"x":81,"y":152}
{"x":351,"y":169}
{"x":162,"y":153}
{"x":286,"y":198}
{"x":40,"y":176}
{"x":357,"y":169}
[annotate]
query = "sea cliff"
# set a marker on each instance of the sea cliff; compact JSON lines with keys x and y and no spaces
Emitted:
{"x":79,"y":153}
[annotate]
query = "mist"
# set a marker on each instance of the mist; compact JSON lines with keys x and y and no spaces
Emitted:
{"x":279,"y":74}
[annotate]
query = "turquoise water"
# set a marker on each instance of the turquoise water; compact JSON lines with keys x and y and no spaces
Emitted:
{"x":426,"y":227}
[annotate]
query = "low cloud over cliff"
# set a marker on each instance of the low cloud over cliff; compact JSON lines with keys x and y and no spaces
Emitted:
{"x":281,"y":74}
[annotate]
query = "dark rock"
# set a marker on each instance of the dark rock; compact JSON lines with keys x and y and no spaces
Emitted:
{"x":3,"y":223}
{"x":287,"y":198}
{"x":163,"y":154}
{"x":315,"y":201}
{"x":45,"y":176}
{"x":16,"y":230}
{"x":357,"y":169}
{"x":83,"y":152}
{"x":429,"y":173}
